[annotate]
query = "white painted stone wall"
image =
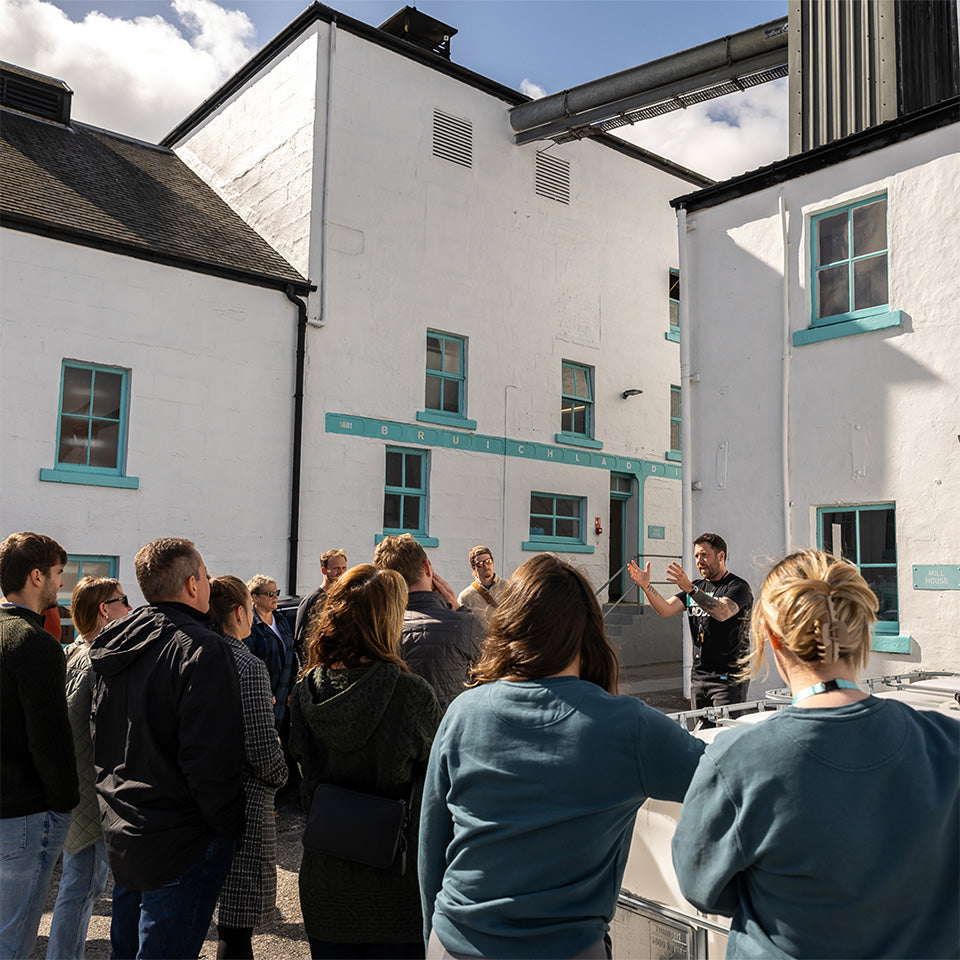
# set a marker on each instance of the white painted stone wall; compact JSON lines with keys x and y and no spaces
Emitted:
{"x":873,"y":417}
{"x":210,"y":414}
{"x":415,"y":242}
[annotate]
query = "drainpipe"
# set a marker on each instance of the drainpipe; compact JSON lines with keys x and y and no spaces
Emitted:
{"x":785,"y":380}
{"x":294,"y":539}
{"x":686,"y":463}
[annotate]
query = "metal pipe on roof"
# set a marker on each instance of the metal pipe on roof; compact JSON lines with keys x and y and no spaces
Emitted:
{"x":753,"y":49}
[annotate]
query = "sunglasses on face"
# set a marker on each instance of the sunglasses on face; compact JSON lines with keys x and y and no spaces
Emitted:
{"x":269,"y":593}
{"x":122,"y":600}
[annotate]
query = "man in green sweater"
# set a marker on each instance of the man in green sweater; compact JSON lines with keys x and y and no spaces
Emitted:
{"x":38,"y":772}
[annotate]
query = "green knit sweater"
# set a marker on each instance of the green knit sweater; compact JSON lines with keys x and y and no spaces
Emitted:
{"x":37,"y":767}
{"x":366,"y":728}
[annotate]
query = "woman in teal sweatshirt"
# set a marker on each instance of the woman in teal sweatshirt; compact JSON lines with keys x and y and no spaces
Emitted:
{"x":535,"y":779}
{"x":831,"y":829}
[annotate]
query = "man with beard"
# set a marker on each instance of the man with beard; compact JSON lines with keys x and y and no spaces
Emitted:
{"x":718,"y":607}
{"x":38,"y":772}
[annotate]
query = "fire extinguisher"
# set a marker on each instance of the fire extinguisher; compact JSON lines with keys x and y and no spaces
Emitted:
{"x":597,"y":526}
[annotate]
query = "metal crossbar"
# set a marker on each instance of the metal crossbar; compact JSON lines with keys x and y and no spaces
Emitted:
{"x":636,"y":558}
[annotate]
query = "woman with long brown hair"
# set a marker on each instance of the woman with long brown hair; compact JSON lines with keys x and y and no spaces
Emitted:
{"x":535,"y":779}
{"x":361,"y":720}
{"x":830,"y":829}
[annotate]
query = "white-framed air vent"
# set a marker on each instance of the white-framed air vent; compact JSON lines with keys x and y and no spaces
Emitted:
{"x":553,"y":177}
{"x":452,"y":138}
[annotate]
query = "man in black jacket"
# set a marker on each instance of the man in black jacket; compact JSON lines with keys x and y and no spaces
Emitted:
{"x":168,"y":750}
{"x":437,"y":642}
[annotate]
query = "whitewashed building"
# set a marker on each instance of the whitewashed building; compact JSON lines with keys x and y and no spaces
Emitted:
{"x":821,"y":358}
{"x":486,"y":314}
{"x":147,"y":351}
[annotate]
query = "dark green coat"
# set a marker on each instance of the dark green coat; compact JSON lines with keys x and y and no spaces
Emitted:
{"x":365,"y":728}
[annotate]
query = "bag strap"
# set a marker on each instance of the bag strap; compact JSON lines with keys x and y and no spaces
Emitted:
{"x":484,"y":592}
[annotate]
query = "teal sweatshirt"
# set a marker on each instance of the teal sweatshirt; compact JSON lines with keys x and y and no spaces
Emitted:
{"x":829,"y":832}
{"x":530,"y":798}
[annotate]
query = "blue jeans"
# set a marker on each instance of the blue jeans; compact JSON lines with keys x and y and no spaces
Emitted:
{"x":29,"y":847}
{"x":83,"y":880}
{"x":172,"y":920}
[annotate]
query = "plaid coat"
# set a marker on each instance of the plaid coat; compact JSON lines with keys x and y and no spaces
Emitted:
{"x":249,"y":893}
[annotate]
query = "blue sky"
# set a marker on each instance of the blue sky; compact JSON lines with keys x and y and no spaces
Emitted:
{"x":140,"y":67}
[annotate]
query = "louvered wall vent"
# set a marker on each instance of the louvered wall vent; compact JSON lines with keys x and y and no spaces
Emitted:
{"x":452,"y":138}
{"x":34,"y":93}
{"x":553,"y":177}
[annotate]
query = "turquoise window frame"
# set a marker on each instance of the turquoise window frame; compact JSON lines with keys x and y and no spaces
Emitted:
{"x":67,"y":629}
{"x":673,"y":284}
{"x":84,"y":473}
{"x":576,"y":437}
{"x":443,"y":376}
{"x":674,"y":453}
{"x":885,"y":633}
{"x":849,"y":322}
{"x":561,"y":544}
{"x":407,"y":491}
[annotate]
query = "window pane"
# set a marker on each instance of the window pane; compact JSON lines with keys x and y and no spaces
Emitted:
{"x":541,"y":505}
{"x":883,"y":582}
{"x":568,"y":528}
{"x":76,"y":391}
{"x":582,"y":382}
{"x":541,"y":526}
{"x":878,"y":536}
{"x":832,"y":243}
{"x":391,"y":511}
{"x":414,"y":471}
{"x":620,"y":484}
{"x":432,"y":397}
{"x":833,"y":291}
{"x":674,"y":313}
{"x":870,"y":282}
{"x":568,"y":386}
{"x":394,"y":470}
{"x":451,"y":357}
{"x":106,"y":395}
{"x":842,"y":542}
{"x":73,"y":440}
{"x":674,"y":286}
{"x":71,"y":576}
{"x":566,"y":416}
{"x":567,"y":507}
{"x":580,"y":419}
{"x":451,"y":396}
{"x":674,"y":403}
{"x":674,"y":436}
{"x":870,"y":228}
{"x":95,"y":568}
{"x":411,"y":513}
{"x":104,"y":438}
{"x":434,"y":354}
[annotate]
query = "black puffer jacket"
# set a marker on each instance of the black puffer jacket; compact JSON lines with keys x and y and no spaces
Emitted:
{"x":440,"y":644}
{"x":167,"y":742}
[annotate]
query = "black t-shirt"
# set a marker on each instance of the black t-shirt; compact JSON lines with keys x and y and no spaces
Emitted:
{"x":719,"y":644}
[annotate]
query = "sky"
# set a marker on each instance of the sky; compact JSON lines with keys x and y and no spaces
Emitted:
{"x":138,"y":67}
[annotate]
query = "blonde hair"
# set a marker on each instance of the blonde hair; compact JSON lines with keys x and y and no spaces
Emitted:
{"x":819,"y":605}
{"x":361,"y":620}
{"x":85,"y":602}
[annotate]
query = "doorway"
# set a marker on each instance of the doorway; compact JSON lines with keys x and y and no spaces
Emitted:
{"x":621,"y":493}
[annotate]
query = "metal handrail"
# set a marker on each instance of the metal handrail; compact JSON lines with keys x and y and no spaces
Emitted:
{"x":634,"y":559}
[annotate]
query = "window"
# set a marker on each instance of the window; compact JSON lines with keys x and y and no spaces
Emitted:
{"x":576,"y":406}
{"x":92,"y":426}
{"x":77,"y":567}
{"x":557,"y":522}
{"x":674,"y":452}
{"x":848,"y":275}
{"x":673,"y":294}
{"x":405,"y":494}
{"x":452,"y":138}
{"x":444,"y":392}
{"x":867,"y":536}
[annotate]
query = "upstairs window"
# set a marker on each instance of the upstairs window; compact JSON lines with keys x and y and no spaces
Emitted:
{"x":446,"y":379}
{"x":673,"y":295}
{"x":92,"y":426}
{"x":576,"y":403}
{"x":850,"y":261}
{"x":674,"y":452}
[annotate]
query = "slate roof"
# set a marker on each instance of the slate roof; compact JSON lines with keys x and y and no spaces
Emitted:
{"x":85,"y":185}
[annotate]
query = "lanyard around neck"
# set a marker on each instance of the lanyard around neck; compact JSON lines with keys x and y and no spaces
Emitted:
{"x":823,"y":687}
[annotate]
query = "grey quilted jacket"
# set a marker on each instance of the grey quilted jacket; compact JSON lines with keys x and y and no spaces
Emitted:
{"x":85,"y":824}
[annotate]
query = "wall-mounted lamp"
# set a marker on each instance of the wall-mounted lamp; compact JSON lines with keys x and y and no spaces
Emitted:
{"x":630,"y":393}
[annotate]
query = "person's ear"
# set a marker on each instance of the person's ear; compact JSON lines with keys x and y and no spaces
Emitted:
{"x":773,"y":639}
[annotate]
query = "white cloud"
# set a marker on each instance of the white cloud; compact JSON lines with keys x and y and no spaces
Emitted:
{"x":720,"y":138}
{"x":530,"y":89}
{"x":138,"y":76}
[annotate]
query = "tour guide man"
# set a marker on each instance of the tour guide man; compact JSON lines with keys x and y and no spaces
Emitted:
{"x":719,"y":614}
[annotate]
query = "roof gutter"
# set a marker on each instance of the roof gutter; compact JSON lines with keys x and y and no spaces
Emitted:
{"x":749,"y":51}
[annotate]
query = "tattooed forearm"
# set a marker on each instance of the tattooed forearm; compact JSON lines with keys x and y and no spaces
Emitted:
{"x":652,"y":593}
{"x":704,"y":601}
